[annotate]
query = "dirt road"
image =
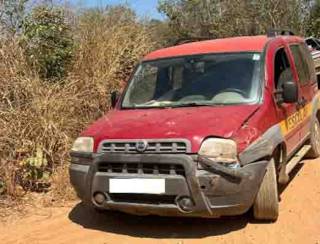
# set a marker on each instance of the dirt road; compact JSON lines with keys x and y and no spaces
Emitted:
{"x":299,"y":222}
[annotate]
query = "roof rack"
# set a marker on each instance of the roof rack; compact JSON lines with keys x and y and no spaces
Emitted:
{"x":277,"y":32}
{"x":191,"y":39}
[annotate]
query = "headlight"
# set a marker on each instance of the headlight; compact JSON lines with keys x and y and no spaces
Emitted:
{"x":83,"y":144}
{"x":219,"y":150}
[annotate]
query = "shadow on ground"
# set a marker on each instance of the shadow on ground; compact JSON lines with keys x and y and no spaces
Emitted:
{"x":292,"y":175}
{"x":161,"y":227}
{"x":154,"y":226}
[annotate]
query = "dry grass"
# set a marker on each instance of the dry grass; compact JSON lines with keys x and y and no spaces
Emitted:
{"x":38,"y":115}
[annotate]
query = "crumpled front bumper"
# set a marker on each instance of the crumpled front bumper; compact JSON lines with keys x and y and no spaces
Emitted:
{"x":213,"y":194}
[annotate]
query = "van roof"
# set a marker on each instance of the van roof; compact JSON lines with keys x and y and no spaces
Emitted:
{"x":234,"y":44}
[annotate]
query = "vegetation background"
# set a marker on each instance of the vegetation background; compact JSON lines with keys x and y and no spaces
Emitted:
{"x":58,"y":67}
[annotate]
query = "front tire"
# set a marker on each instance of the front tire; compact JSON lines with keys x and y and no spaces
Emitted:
{"x":266,"y":205}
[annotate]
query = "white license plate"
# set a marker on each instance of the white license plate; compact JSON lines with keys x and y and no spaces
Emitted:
{"x":139,"y":186}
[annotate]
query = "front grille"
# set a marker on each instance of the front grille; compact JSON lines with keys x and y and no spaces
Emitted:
{"x":152,"y":146}
{"x":142,"y":168}
{"x":143,"y":198}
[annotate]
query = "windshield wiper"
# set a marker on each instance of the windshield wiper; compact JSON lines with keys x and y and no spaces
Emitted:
{"x":192,"y":104}
{"x":153,"y":104}
{"x":168,"y":105}
{"x":181,"y":105}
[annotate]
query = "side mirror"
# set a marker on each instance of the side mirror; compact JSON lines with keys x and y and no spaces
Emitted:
{"x":114,"y":98}
{"x":290,"y":92}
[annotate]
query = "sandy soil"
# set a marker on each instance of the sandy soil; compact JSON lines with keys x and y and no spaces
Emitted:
{"x":299,"y":222}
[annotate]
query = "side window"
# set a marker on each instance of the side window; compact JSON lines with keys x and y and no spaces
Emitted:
{"x":309,"y":60}
{"x":301,"y":64}
{"x":282,"y":70}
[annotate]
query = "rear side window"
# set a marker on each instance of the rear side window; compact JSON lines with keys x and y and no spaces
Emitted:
{"x":301,"y":64}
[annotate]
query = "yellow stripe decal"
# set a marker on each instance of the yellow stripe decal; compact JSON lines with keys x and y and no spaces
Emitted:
{"x":295,"y":119}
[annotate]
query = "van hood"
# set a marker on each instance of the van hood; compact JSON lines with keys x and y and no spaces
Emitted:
{"x":194,"y":124}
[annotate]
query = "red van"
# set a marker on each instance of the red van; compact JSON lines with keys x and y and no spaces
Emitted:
{"x":204,"y":129}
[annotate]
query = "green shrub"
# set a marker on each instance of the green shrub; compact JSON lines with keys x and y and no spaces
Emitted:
{"x":34,"y":171}
{"x":47,"y":41}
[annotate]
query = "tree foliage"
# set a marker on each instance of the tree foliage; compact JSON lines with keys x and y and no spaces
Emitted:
{"x":12,"y":13}
{"x":314,"y":20}
{"x":112,"y":38}
{"x":47,"y":42}
{"x":216,"y":18}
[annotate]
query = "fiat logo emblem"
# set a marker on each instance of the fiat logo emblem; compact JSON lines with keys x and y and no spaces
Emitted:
{"x":141,"y":146}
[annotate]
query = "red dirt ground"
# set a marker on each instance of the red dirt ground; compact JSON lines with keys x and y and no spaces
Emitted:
{"x":299,"y":222}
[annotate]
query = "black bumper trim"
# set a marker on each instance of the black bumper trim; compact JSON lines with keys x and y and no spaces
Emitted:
{"x":214,"y":194}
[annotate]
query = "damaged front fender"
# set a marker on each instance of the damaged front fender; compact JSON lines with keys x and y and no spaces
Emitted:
{"x":262,"y":147}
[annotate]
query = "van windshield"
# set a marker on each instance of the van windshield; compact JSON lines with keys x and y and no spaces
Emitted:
{"x":204,"y":80}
